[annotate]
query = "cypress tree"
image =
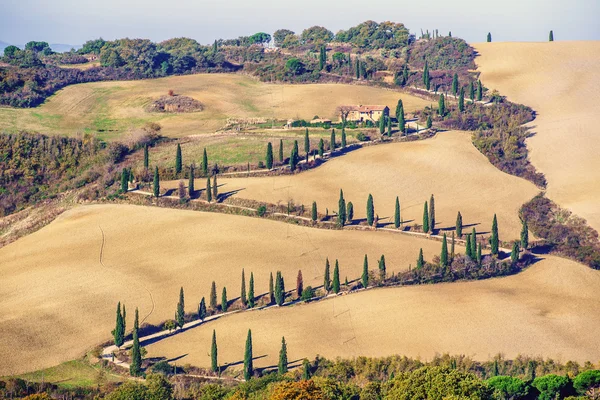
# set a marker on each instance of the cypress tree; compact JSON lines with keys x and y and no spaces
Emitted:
{"x":294,"y":156}
{"x":514,"y":254}
{"x":489,"y":37}
{"x":452,"y":248}
{"x":283,"y":360}
{"x":156,"y":183}
{"x":429,"y":123}
{"x":472,"y":91}
{"x":479,"y":91}
{"x":551,"y":37}
{"x":344,"y":138}
{"x":124,"y":320}
{"x":279,"y":290}
{"x":180,"y":309}
{"x":461,"y":100}
{"x":146,"y":157}
{"x":341,"y":209}
{"x":401,"y":121}
{"x":314,"y":215}
{"x":202,"y":310}
{"x":299,"y":284}
{"x":350,"y":212}
{"x":243,"y":297}
{"x":357,"y":68}
{"x":124,"y":180}
{"x":335,"y":285}
{"x":119,"y":331}
{"x":224,"y":302}
{"x":442,"y":105}
{"x":135,"y":368}
{"x":321,"y":147}
{"x":215,"y":189}
{"x":397,"y":220}
{"x":178,"y":161}
{"x":191,"y":182}
{"x":269,"y":157}
{"x":365,"y":274}
{"x":399,"y":109}
{"x":251,"y":302}
{"x":215,"y":47}
{"x":382,"y":123}
{"x":524,"y":235}
{"x":425,"y":74}
{"x":280,"y":150}
{"x":214,"y":362}
{"x":305,"y":370}
{"x":213,"y":296}
{"x":459,"y":225}
{"x":370,"y":211}
{"x":205,"y":163}
{"x":455,"y":84}
{"x":474,"y":243}
{"x":425,"y":218}
{"x":382,"y":269}
{"x":327,"y":277}
{"x":494,"y":240}
{"x":468,"y":248}
{"x":271,"y":290}
{"x":389,"y":126}
{"x":332,"y":140}
{"x":479,"y":253}
{"x":248,"y":367}
{"x":444,"y":254}
{"x":431,"y":214}
{"x":306,"y":144}
{"x":420,"y":261}
{"x":208,"y":190}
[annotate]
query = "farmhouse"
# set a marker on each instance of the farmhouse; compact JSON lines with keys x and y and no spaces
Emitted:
{"x":366,"y":113}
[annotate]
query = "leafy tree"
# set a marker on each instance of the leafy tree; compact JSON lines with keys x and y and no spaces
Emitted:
{"x":213,"y":296}
{"x":444,"y":254}
{"x":459,"y":225}
{"x":551,"y":386}
{"x":159,"y":387}
{"x":479,"y":91}
{"x":382,"y":269}
{"x":124,"y":180}
{"x":508,"y":387}
{"x":335,"y":286}
{"x":156,"y":183}
{"x":441,"y":106}
{"x":214,"y":361}
{"x":294,"y":66}
{"x":429,"y":123}
{"x":205,"y":163}
{"x":282,"y":367}
{"x":587,"y":382}
{"x":280,"y":150}
{"x":279,"y":289}
{"x":119,"y":331}
{"x":551,"y":37}
{"x":280,"y":35}
{"x":314,"y":214}
{"x":260,"y":38}
{"x":271,"y":290}
{"x":178,"y":161}
{"x":248,"y":366}
{"x":251,"y":302}
{"x":321,"y":147}
{"x":489,"y":37}
{"x":370,"y":210}
{"x":215,"y":189}
{"x":431,"y":213}
{"x":397,"y":219}
{"x":135,"y":368}
{"x":455,"y":84}
{"x":420,"y":261}
{"x":350,"y":212}
{"x":180,"y":309}
{"x":494,"y":240}
{"x":461,"y":100}
{"x":425,"y":218}
{"x":11,"y":51}
{"x":243,"y":297}
{"x":306,"y":144}
{"x":332,"y":144}
{"x":191,"y":182}
{"x":269,"y":157}
{"x":514,"y":254}
{"x":365,"y":274}
{"x":327,"y":277}
{"x":524,"y":235}
{"x":129,"y":391}
{"x":341,"y":209}
{"x":202,"y":310}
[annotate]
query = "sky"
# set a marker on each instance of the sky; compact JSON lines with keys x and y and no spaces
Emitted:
{"x":75,"y":21}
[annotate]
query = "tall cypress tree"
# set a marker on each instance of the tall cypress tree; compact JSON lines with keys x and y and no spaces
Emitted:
{"x":444,"y":254}
{"x":341,"y":209}
{"x":350,"y":212}
{"x":224,"y":301}
{"x":382,"y":123}
{"x":452,"y":247}
{"x":389,"y":126}
{"x":455,"y":84}
{"x":425,"y":74}
{"x":474,"y":243}
{"x":335,"y":285}
{"x":243,"y":297}
{"x":551,"y":37}
{"x":370,"y":210}
{"x":124,"y":180}
{"x":280,"y":150}
{"x":344,"y":138}
{"x":489,"y":37}
{"x":468,"y":248}
{"x":432,"y":213}
{"x":202,"y":310}
{"x":299,"y":284}
{"x":215,"y":188}
{"x":251,"y":302}
{"x":191,"y":182}
{"x":213,"y":296}
{"x":357,"y":68}
{"x":472,"y":91}
{"x":321,"y":147}
{"x":401,"y":120}
{"x":178,"y":161}
{"x":442,"y":105}
{"x":420,"y":261}
{"x":429,"y":123}
{"x":305,"y":370}
{"x":461,"y":100}
{"x":397,"y":220}
{"x":119,"y":331}
{"x":494,"y":240}
{"x":282,"y":367}
{"x":279,"y":294}
{"x":327,"y":277}
{"x":205,"y":163}
{"x":313,"y":213}
{"x":214,"y":360}
{"x":365,"y":273}
{"x":479,"y":253}
{"x":269,"y":157}
{"x":459,"y":225}
{"x":514,"y":254}
{"x":399,"y":109}
{"x":306,"y":144}
{"x":425,"y":218}
{"x":208,"y":190}
{"x":382,"y":268}
{"x":271,"y":290}
{"x":180,"y":309}
{"x":524,"y":235}
{"x":332,"y":140}
{"x":135,"y":368}
{"x":146,"y":157}
{"x":156,"y":183}
{"x":479,"y":91}
{"x":248,"y":366}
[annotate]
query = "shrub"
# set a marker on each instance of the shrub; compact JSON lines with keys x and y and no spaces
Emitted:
{"x":308,"y":293}
{"x":362,"y":137}
{"x":162,"y":367}
{"x":261,"y":210}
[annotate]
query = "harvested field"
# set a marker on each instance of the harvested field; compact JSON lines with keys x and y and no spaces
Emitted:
{"x":111,"y":109}
{"x":556,"y":80}
{"x":549,"y":310}
{"x":448,"y":166}
{"x":59,"y":299}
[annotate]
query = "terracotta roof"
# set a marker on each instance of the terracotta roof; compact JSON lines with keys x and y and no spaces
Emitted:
{"x":371,"y":108}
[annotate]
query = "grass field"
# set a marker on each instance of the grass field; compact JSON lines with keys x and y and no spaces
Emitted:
{"x":554,"y":79}
{"x":58,"y":299}
{"x":549,"y":310}
{"x":448,"y":166}
{"x":111,"y":109}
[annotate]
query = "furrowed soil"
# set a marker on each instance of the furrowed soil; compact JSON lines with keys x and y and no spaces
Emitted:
{"x":557,"y":80}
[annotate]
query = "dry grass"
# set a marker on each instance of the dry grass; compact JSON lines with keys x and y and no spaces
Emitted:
{"x":58,"y":299}
{"x":110,"y":109}
{"x":557,"y":80}
{"x":549,"y":310}
{"x":448,"y":166}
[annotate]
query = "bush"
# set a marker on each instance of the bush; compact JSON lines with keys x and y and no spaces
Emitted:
{"x":261,"y":210}
{"x":308,"y":293}
{"x":362,"y":137}
{"x":162,"y":367}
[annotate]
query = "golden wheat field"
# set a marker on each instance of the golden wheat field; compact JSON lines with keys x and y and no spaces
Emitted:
{"x":549,"y":310}
{"x":111,"y":109}
{"x":447,"y":166}
{"x":59,"y":299}
{"x":557,"y":80}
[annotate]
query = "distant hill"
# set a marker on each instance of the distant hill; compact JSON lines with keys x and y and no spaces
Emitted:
{"x":58,"y":47}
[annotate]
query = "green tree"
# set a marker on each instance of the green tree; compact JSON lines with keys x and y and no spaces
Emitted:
{"x":306,"y":144}
{"x":251,"y":302}
{"x":399,"y":109}
{"x":426,"y":75}
{"x":429,"y":123}
{"x":341,"y":209}
{"x":382,"y":123}
{"x":551,"y":37}
{"x":248,"y":366}
{"x":524,"y":235}
{"x":243,"y":297}
{"x":344,"y":138}
{"x":332,"y":144}
{"x":146,"y":157}
{"x":382,"y":269}
{"x":459,"y":225}
{"x":269,"y":157}
{"x":314,"y":214}
{"x":455,"y":84}
{"x":468,"y":248}
{"x":135,"y":368}
{"x":514,"y":254}
{"x":479,"y":91}
{"x":489,"y":37}
{"x":508,"y":387}
{"x":474,"y":243}
{"x":442,"y":105}
{"x":224,"y":302}
{"x":327,"y":277}
{"x":425,"y":218}
{"x":420,"y":261}
{"x":432,"y":213}
{"x":551,"y":386}
{"x":365,"y":273}
{"x":205,"y":163}
{"x":119,"y":331}
{"x":472,"y":91}
{"x":202,"y":310}
{"x":124,"y":180}
{"x":191,"y":182}
{"x":271,"y":290}
{"x":335,"y":285}
{"x":214,"y":360}
{"x":156,"y":183}
{"x":294,"y":158}
{"x":444,"y":254}
{"x":305,"y":369}
{"x":401,"y":120}
{"x":479,"y":253}
{"x":389,"y":126}
{"x":280,"y":150}
{"x":494,"y":240}
{"x":215,"y":189}
{"x":350,"y":212}
{"x":178,"y":161}
{"x":180,"y":309}
{"x":322,"y":58}
{"x":213,"y":296}
{"x":321,"y":147}
{"x":587,"y":381}
{"x":397,"y":220}
{"x":279,"y":289}
{"x":370,"y":210}
{"x":452,"y":247}
{"x":282,"y":367}
{"x":461,"y":100}
{"x":208,"y":190}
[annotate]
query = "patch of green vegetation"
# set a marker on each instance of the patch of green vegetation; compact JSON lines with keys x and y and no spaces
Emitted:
{"x":73,"y":374}
{"x":248,"y":105}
